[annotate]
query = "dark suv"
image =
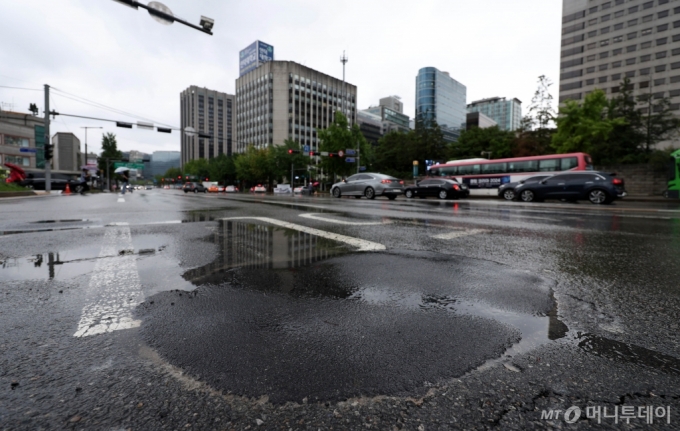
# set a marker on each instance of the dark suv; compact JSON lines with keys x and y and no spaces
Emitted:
{"x":194,"y":187}
{"x":597,"y":187}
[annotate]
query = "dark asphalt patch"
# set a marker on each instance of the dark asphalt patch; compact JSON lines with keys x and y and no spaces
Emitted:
{"x":360,"y":324}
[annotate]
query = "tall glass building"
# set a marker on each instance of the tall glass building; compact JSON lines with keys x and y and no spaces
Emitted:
{"x":506,"y":113}
{"x":442,"y":99}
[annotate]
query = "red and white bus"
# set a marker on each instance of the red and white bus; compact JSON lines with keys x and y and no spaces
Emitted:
{"x":483,"y":176}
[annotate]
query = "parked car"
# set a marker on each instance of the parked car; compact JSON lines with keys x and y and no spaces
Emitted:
{"x":369,"y":185}
{"x":214,"y":189}
{"x":57,"y":182}
{"x":507,"y":190}
{"x":231,"y":189}
{"x":298,"y":190}
{"x":597,"y":187}
{"x":166,"y":187}
{"x":258,"y":189}
{"x":194,"y":187}
{"x":440,"y":187}
{"x":149,"y":187}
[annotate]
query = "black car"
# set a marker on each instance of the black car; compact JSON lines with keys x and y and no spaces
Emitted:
{"x":57,"y":182}
{"x":440,"y":187}
{"x":194,"y":187}
{"x":597,"y":187}
{"x":507,"y":190}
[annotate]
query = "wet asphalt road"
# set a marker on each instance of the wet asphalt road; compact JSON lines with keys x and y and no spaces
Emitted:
{"x":170,"y":311}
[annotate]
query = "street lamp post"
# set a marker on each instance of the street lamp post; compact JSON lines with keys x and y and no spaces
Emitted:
{"x":86,"y":140}
{"x":163,"y":14}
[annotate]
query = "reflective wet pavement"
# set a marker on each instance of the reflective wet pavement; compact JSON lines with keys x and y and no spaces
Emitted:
{"x":490,"y":314}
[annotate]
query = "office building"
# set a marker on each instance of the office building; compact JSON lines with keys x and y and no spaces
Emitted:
{"x":282,"y":100}
{"x":211,"y":114}
{"x":442,"y":99}
{"x":507,"y":114}
{"x":390,"y":111}
{"x":477,"y":119}
{"x":253,"y":56}
{"x":371,"y":126}
{"x":22,"y":138}
{"x":604,"y":42}
{"x":66,"y":153}
{"x":161,"y":161}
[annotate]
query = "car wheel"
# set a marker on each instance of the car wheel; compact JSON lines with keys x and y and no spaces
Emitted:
{"x":391,"y":197}
{"x":409,"y":194}
{"x":509,"y":195}
{"x":527,"y":196}
{"x":442,"y":194}
{"x":186,"y":191}
{"x":369,"y":193}
{"x":195,"y":191}
{"x":205,"y":191}
{"x":598,"y":197}
{"x":336,"y":192}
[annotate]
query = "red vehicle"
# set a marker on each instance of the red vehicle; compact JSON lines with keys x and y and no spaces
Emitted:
{"x":484,"y":176}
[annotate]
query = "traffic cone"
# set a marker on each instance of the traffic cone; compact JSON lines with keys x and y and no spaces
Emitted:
{"x":67,"y":191}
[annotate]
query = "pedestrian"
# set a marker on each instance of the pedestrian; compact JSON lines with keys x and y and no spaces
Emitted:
{"x":84,"y":178}
{"x":124,"y":181}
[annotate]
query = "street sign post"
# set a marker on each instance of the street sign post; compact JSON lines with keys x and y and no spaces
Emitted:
{"x":350,"y":159}
{"x":362,"y":168}
{"x":350,"y":152}
{"x":138,"y":166}
{"x":28,"y":150}
{"x":341,"y":153}
{"x":324,"y":153}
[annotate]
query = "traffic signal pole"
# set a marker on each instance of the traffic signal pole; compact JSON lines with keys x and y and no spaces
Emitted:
{"x":48,"y":171}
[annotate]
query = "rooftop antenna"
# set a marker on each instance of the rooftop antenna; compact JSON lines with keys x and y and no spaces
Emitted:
{"x":344,"y":61}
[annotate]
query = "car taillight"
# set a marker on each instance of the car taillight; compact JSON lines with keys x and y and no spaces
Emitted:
{"x":455,"y":187}
{"x":386,"y":181}
{"x":401,"y":182}
{"x":617,"y":181}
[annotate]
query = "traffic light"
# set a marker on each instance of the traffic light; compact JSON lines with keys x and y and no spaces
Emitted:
{"x":314,"y":153}
{"x":332,"y":154}
{"x":48,"y":151}
{"x":292,"y":151}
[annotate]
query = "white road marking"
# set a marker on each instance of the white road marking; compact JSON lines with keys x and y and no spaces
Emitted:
{"x":318,"y":217}
{"x":459,"y":233}
{"x":165,"y":222}
{"x":121,"y":200}
{"x":361,"y":244}
{"x":116,"y":286}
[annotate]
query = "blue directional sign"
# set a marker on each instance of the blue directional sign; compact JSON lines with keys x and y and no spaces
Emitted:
{"x":306,"y":149}
{"x":350,"y":152}
{"x":350,"y":159}
{"x":28,"y":150}
{"x":362,"y":168}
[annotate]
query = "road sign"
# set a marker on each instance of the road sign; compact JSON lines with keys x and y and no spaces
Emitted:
{"x":306,"y":149}
{"x":341,"y":153}
{"x":351,"y":152}
{"x":362,"y":168}
{"x":28,"y":150}
{"x":305,"y":153}
{"x":350,"y":159}
{"x":324,"y":153}
{"x":138,"y":166}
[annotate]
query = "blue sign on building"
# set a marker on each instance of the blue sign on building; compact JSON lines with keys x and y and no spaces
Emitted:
{"x":254,"y":55}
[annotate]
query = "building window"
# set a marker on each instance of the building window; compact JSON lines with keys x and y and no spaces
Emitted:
{"x":644,"y":84}
{"x":661,"y":81}
{"x":593,"y":9}
{"x":606,"y":5}
{"x":645,"y":58}
{"x":631,"y":48}
{"x":602,"y":79}
{"x":674,"y":93}
{"x":661,"y":41}
{"x":645,"y":45}
{"x":630,"y":61}
{"x":675,"y":65}
{"x":630,"y":74}
{"x":662,"y":14}
{"x":648,"y":5}
{"x":604,"y":54}
{"x":616,"y":77}
{"x":661,"y":68}
{"x":604,"y":30}
{"x":631,"y":36}
{"x":592,"y":45}
{"x":647,"y":18}
{"x":605,"y":18}
{"x":616,"y":64}
{"x":590,"y":58}
{"x":617,"y":51}
{"x":661,"y":28}
{"x":603,"y":67}
{"x":676,"y":51}
{"x":618,"y":2}
{"x":661,"y":54}
{"x":632,"y":9}
{"x":618,"y":14}
{"x":590,"y":70}
{"x":676,"y":37}
{"x":618,"y":39}
{"x":604,"y":42}
{"x":646,"y":31}
{"x":16,"y":141}
{"x":645,"y":71}
{"x":590,"y":81}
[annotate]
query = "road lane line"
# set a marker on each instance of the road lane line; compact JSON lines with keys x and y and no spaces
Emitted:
{"x":361,"y":244}
{"x":460,"y":234}
{"x":121,"y":200}
{"x":116,"y":285}
{"x":330,"y":220}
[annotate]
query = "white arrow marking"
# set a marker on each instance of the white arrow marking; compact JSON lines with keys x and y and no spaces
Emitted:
{"x":116,"y":286}
{"x":361,"y":244}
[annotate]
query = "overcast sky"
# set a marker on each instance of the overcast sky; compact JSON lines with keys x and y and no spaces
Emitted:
{"x":113,"y":55}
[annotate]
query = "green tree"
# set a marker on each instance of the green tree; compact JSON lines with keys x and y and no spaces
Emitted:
{"x":281,"y":160}
{"x":254,"y":165}
{"x":585,"y":127}
{"x":429,"y":143}
{"x":222,"y":169}
{"x":393,"y":154}
{"x":537,"y":127}
{"x":474,"y":141}
{"x":109,"y":151}
{"x":340,"y":136}
{"x":197,"y":167}
{"x":173,"y":173}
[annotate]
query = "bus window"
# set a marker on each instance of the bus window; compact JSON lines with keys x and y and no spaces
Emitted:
{"x":449,"y":170}
{"x":549,"y":165}
{"x":433,"y":172}
{"x":494,"y":168}
{"x":528,"y":166}
{"x":468,"y":169}
{"x":567,"y":163}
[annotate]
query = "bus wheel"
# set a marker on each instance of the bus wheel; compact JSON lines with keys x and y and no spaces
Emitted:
{"x":527,"y":196}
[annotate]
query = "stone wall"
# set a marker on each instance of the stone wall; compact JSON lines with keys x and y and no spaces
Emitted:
{"x":641,"y":180}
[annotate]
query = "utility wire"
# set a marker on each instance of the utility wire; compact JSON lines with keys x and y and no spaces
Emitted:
{"x":21,"y":88}
{"x":102,"y":106}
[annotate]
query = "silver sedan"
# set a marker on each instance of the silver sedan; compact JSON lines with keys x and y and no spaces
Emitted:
{"x":369,"y":185}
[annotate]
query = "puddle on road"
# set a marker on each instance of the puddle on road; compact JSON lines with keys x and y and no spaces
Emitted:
{"x":252,"y":248}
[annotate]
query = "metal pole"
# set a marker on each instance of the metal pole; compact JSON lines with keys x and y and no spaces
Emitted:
{"x":292,"y":185}
{"x":48,"y":171}
{"x":343,"y":60}
{"x":108,"y":177}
